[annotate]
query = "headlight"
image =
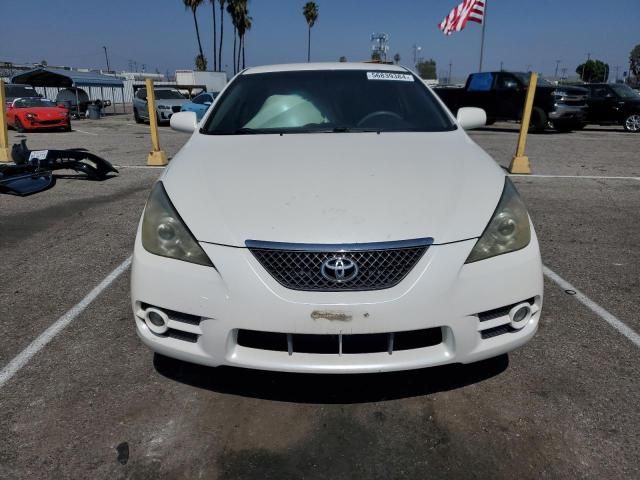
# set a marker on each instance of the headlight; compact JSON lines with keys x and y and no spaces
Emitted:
{"x":165,"y":234}
{"x":31,"y":116}
{"x":507,"y":231}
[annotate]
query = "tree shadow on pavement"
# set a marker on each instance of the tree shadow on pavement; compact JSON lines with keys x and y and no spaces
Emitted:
{"x":329,"y":389}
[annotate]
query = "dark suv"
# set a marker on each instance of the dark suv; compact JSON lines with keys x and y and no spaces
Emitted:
{"x":614,"y":104}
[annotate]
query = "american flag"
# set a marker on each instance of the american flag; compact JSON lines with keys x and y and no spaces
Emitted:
{"x":467,"y":11}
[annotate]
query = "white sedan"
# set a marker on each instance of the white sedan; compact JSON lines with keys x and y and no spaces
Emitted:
{"x":334,"y":218}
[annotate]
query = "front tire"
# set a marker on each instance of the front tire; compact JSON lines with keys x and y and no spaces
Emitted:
{"x":632,"y":123}
{"x":18,"y":126}
{"x":136,"y":116}
{"x":538,"y":121}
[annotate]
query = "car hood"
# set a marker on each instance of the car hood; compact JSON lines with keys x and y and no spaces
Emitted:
{"x":334,"y":187}
{"x":175,"y":102}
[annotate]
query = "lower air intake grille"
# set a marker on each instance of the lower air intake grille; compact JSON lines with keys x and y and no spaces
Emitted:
{"x":334,"y":344}
{"x":329,"y":268}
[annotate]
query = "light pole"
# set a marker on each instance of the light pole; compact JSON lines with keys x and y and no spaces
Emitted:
{"x":416,"y":49}
{"x":557,"y":65}
{"x":106,"y":56}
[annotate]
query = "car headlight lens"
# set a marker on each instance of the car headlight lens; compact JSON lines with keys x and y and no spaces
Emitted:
{"x":165,"y":234}
{"x":507,"y":231}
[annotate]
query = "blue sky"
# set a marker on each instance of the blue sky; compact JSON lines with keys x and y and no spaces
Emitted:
{"x":160,"y":33}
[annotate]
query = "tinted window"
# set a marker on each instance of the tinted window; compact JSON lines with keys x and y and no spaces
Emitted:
{"x":327,"y":100}
{"x":200,"y":99}
{"x":624,"y":91}
{"x":480,"y":82}
{"x":507,"y":82}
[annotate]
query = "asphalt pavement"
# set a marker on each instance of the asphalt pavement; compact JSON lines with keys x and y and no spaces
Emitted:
{"x":95,"y":403}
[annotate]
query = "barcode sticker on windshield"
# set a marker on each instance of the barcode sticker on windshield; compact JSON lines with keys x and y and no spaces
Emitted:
{"x":38,"y":154}
{"x":399,"y":77}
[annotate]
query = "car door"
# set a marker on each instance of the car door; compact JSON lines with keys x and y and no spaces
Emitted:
{"x":602,"y":101}
{"x":141,"y":103}
{"x":480,"y":93}
{"x":508,"y":100}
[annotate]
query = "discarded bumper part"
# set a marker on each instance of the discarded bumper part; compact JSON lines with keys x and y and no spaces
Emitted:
{"x":33,"y":169}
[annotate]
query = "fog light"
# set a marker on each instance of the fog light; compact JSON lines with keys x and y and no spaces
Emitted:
{"x":156,"y":320}
{"x":520,"y":315}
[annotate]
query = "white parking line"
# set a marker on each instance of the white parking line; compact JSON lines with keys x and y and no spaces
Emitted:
{"x":608,"y":317}
{"x":45,"y":337}
{"x":82,"y":131}
{"x":143,"y":167}
{"x":586,"y":177}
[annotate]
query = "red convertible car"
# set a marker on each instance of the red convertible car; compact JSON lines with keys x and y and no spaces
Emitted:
{"x":25,"y":114}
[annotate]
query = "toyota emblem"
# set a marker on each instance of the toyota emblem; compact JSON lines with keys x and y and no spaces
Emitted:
{"x":339,"y":269}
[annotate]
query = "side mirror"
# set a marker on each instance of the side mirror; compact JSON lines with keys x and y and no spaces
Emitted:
{"x":471,"y":117}
{"x":184,"y":121}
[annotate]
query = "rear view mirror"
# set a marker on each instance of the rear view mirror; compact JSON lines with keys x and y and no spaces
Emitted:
{"x":471,"y":117}
{"x":184,"y":121}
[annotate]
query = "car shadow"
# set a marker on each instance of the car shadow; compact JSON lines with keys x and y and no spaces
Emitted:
{"x":329,"y":388}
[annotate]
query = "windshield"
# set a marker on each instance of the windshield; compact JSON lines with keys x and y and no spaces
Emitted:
{"x":169,"y":95}
{"x":327,"y":101}
{"x":624,"y":91}
{"x":33,"y":102}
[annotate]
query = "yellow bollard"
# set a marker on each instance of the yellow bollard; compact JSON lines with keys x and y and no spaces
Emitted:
{"x":156,"y":156}
{"x":520,"y":162}
{"x":5,"y":156}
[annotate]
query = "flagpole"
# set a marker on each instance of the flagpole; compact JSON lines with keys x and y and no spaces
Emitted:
{"x":484,"y":24}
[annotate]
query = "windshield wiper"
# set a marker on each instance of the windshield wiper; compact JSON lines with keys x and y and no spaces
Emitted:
{"x":343,"y":130}
{"x":238,"y":131}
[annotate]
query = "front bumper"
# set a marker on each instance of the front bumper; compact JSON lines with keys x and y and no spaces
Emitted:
{"x":568,"y":112}
{"x":165,"y":115}
{"x":440,"y":292}
{"x":43,"y":124}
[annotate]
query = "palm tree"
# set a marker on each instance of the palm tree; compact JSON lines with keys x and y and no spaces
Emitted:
{"x":215,"y":36}
{"x":221,"y":32}
{"x":244,"y":24}
{"x":232,"y":10}
{"x":310,"y":12}
{"x":193,"y":6}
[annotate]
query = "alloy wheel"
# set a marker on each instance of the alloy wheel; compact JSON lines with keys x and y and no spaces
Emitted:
{"x":632,"y":123}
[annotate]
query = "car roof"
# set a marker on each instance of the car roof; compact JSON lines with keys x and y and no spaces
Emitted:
{"x":298,"y":67}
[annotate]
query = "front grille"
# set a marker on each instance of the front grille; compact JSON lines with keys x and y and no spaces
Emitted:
{"x":175,"y":109}
{"x":340,"y":344}
{"x":313,"y":267}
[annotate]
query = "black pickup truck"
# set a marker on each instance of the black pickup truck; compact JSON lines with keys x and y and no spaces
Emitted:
{"x":614,"y":104}
{"x":502,"y":95}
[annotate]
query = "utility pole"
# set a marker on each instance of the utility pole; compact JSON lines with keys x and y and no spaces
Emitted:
{"x":106,"y":56}
{"x":501,"y":65}
{"x":617,"y":67}
{"x":564,"y":73}
{"x":557,"y":65}
{"x":449,"y":77}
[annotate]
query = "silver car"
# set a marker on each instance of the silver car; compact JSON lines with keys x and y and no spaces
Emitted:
{"x":168,"y":101}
